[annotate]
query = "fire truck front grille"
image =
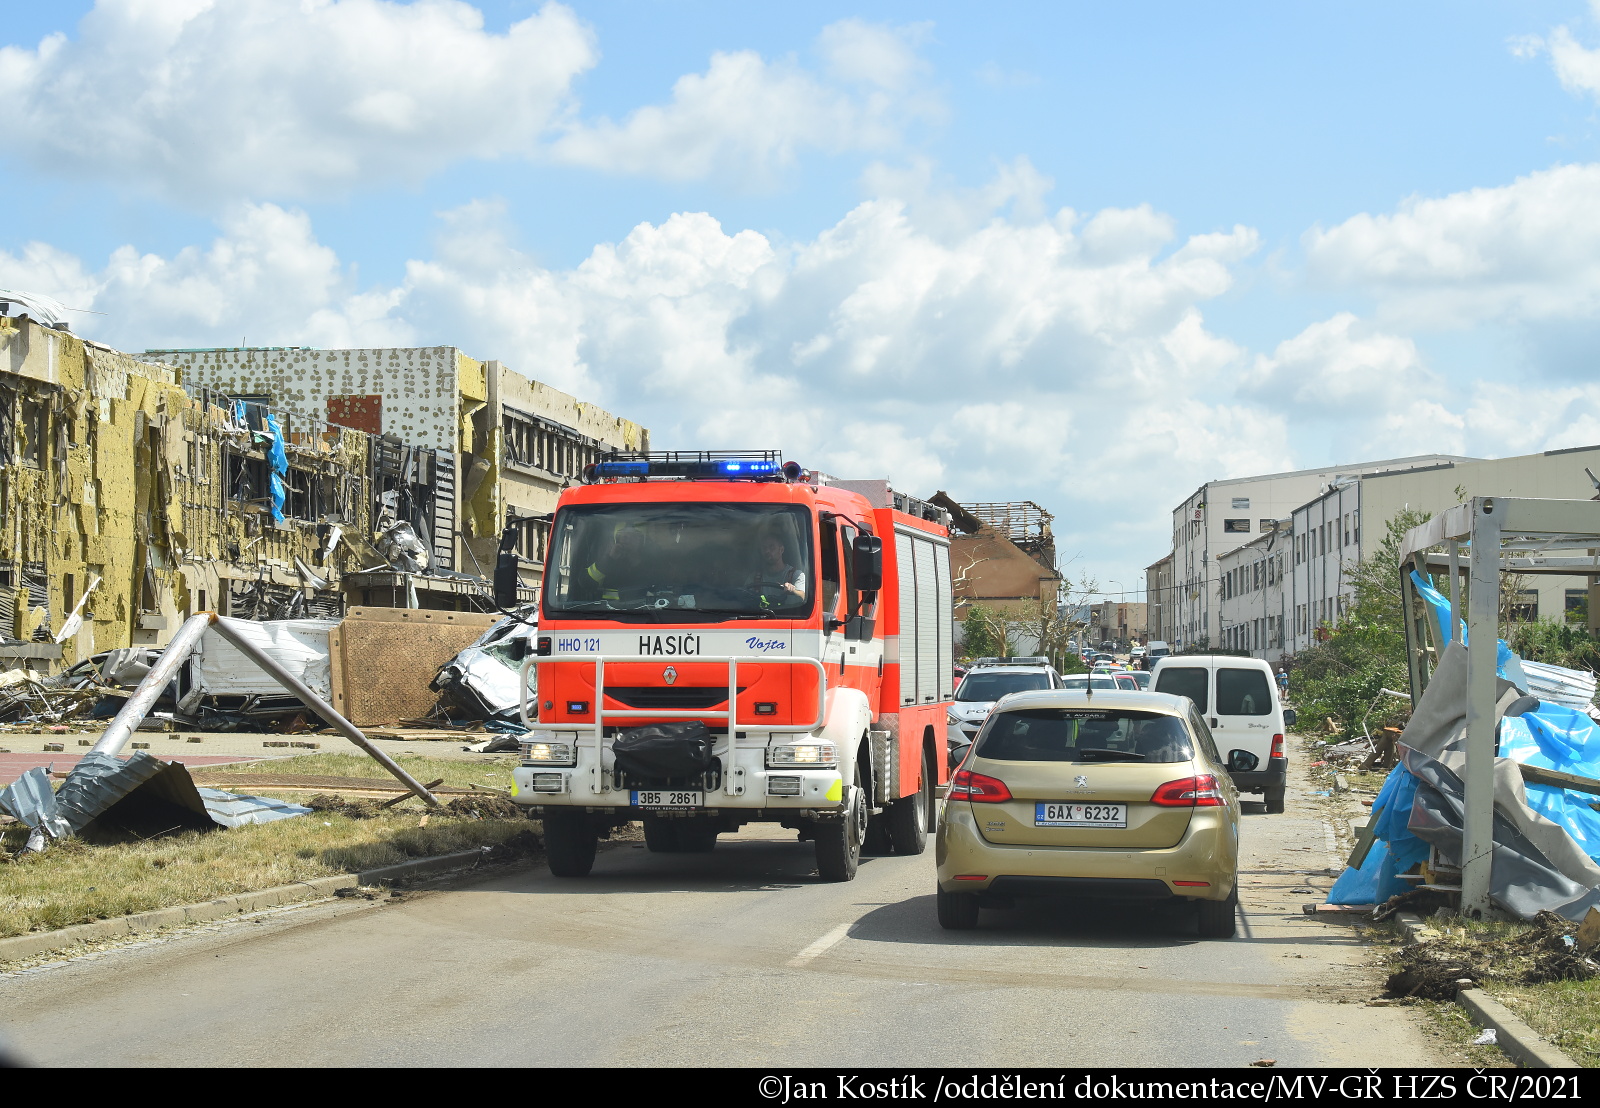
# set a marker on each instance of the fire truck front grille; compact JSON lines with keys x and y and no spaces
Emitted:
{"x":663,"y":696}
{"x":709,"y":781}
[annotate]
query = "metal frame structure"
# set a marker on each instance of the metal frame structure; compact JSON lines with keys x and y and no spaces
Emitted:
{"x":1505,"y":535}
{"x":177,"y":653}
{"x":733,"y":780}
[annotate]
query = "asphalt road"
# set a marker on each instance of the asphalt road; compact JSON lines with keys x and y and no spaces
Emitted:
{"x":741,"y":957}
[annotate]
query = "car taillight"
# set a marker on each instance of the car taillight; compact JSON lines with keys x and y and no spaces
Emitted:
{"x":1191,"y":792}
{"x":1277,"y":747}
{"x":966,"y":785}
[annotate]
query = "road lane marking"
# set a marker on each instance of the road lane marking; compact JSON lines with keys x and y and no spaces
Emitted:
{"x":822,"y":946}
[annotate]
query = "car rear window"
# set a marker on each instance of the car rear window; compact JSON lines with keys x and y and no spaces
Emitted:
{"x":1080,"y":681}
{"x":1085,"y":735}
{"x":992,"y":686}
{"x":1242,"y":692}
{"x":1190,"y":681}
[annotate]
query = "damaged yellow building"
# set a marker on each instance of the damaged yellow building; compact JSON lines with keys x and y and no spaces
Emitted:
{"x":499,"y":445}
{"x":130,"y":503}
{"x":139,"y":490}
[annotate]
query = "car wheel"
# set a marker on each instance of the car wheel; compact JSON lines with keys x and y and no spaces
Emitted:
{"x":911,"y":816}
{"x":661,"y":835}
{"x":839,"y":841}
{"x":957,"y":911}
{"x":570,"y":840}
{"x":1219,"y":918}
{"x":1273,"y":795}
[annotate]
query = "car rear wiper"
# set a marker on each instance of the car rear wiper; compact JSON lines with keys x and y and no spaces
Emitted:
{"x":1100,"y":754}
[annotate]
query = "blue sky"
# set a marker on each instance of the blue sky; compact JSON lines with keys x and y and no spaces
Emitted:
{"x":1089,"y":254}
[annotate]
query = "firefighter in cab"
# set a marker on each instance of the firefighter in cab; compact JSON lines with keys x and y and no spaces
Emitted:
{"x":775,"y":581}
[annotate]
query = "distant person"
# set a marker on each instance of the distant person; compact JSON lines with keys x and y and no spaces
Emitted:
{"x":1283,"y":682}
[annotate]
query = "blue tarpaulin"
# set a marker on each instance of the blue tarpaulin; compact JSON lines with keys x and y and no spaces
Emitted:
{"x":1394,"y":849}
{"x":1551,"y":736}
{"x":278,"y":458}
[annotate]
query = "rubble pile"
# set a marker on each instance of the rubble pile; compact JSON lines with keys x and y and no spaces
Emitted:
{"x":1551,"y":949}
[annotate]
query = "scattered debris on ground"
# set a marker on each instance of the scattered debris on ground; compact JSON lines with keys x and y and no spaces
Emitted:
{"x":486,"y":807}
{"x":480,"y":683}
{"x":1546,"y":950}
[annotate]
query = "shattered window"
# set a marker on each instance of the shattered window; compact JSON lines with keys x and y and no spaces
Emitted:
{"x":247,"y":478}
{"x":35,"y":426}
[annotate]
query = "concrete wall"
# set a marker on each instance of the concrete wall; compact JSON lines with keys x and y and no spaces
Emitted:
{"x":418,"y":385}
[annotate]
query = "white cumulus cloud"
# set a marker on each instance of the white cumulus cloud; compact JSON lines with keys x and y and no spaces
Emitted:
{"x":216,"y":101}
{"x":1528,"y":250}
{"x":748,"y":117}
{"x":251,"y":98}
{"x":1342,"y":366}
{"x":1044,"y":357}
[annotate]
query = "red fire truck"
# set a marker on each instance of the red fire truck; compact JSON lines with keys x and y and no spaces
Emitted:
{"x":726,"y":639}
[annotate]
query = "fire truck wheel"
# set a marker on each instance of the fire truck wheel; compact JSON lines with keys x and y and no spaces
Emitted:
{"x":570,"y":839}
{"x":910,"y":816}
{"x":661,"y":835}
{"x":697,"y":837}
{"x":839,"y":843}
{"x":879,"y":839}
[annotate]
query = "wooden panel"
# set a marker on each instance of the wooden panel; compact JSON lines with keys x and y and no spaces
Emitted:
{"x":383,"y":659}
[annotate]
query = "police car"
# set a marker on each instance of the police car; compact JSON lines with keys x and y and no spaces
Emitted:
{"x":987,"y":681}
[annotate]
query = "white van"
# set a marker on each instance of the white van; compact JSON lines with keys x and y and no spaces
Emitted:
{"x":1239,"y":701}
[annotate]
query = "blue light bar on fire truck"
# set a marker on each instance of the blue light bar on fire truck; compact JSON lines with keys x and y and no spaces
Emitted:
{"x":726,"y":465}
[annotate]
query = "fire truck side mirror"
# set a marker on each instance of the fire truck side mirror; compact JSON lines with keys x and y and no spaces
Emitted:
{"x":866,"y":563}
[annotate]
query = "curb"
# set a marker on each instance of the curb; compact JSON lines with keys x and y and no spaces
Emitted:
{"x":39,"y":942}
{"x":1519,"y":1041}
{"x":1415,"y":927}
{"x":1513,"y":1036}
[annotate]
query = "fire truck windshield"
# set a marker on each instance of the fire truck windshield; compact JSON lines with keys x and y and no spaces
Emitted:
{"x":662,"y":562}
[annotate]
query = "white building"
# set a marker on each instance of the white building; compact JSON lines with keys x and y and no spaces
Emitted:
{"x":1223,"y":515}
{"x":1335,"y":531}
{"x":1250,"y":595}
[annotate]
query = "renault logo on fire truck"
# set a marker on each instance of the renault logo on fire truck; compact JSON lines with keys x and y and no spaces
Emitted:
{"x":669,"y":675}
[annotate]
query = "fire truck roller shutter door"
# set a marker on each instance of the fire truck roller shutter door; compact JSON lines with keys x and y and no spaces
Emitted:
{"x":945,"y":605}
{"x":907,"y":593}
{"x":928,"y":609}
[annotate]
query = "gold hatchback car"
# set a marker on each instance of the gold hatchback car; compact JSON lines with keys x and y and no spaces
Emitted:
{"x":1076,"y":794}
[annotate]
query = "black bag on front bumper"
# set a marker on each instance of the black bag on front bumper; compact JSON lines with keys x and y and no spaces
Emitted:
{"x":664,"y":750}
